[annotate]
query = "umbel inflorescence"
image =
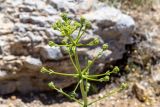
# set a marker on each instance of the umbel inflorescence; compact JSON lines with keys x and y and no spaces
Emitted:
{"x":67,"y":27}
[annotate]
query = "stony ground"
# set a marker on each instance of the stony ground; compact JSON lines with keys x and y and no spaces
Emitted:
{"x":142,"y":72}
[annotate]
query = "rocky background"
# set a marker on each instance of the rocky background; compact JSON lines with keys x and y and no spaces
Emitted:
{"x":25,"y":29}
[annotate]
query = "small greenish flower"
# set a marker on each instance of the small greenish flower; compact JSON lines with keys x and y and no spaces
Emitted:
{"x":57,"y":25}
{"x":44,"y":70}
{"x":51,"y":85}
{"x":73,"y":94}
{"x":88,"y":25}
{"x":65,"y":41}
{"x":108,"y":73}
{"x":51,"y":44}
{"x":105,"y":47}
{"x":90,"y":62}
{"x":77,"y":24}
{"x":88,"y":85}
{"x":124,"y":86}
{"x":64,"y":16}
{"x":116,"y":69}
{"x":96,"y":41}
{"x":82,"y":20}
{"x":106,"y":78}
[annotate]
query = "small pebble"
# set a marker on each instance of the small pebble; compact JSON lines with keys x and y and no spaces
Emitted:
{"x":13,"y":97}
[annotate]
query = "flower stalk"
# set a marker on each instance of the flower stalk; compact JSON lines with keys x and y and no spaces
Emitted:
{"x":67,"y":28}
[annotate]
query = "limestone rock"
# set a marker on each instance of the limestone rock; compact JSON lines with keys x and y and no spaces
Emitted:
{"x":7,"y":87}
{"x":17,"y":48}
{"x":2,"y":73}
{"x":20,"y":27}
{"x":155,"y":72}
{"x":50,"y":10}
{"x":33,"y":38}
{"x":50,"y":53}
{"x":33,"y":20}
{"x":1,"y":50}
{"x":86,"y":5}
{"x":11,"y":65}
{"x":66,"y":5}
{"x":26,"y":8}
{"x":32,"y":63}
{"x":114,"y":27}
{"x":9,"y":58}
{"x":15,"y":3}
{"x":26,"y":29}
{"x":112,"y":22}
{"x":5,"y":23}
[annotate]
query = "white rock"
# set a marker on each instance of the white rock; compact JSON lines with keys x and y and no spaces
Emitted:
{"x":32,"y":63}
{"x":50,"y":53}
{"x":155,"y":72}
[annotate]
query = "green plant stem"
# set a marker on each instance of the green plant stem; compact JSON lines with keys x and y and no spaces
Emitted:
{"x":62,"y":74}
{"x":68,"y":96}
{"x":91,"y":79}
{"x":79,"y":37}
{"x":84,"y":95}
{"x":73,"y":62}
{"x":89,"y":66}
{"x":62,"y":45}
{"x":79,"y":33}
{"x":77,"y":63}
{"x":67,"y":28}
{"x":98,"y":75}
{"x":71,"y":39}
{"x":77,"y":86}
{"x":86,"y":87}
{"x":85,"y":45}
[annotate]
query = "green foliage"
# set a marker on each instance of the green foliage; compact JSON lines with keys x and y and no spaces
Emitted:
{"x":66,"y":26}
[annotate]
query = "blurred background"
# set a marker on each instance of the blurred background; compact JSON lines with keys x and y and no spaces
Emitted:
{"x":130,"y":27}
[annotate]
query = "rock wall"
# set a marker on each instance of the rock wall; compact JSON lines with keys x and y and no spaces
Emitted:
{"x":25,"y":29}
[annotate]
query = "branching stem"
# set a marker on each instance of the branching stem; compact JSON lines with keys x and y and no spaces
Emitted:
{"x":67,"y":28}
{"x":62,"y":74}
